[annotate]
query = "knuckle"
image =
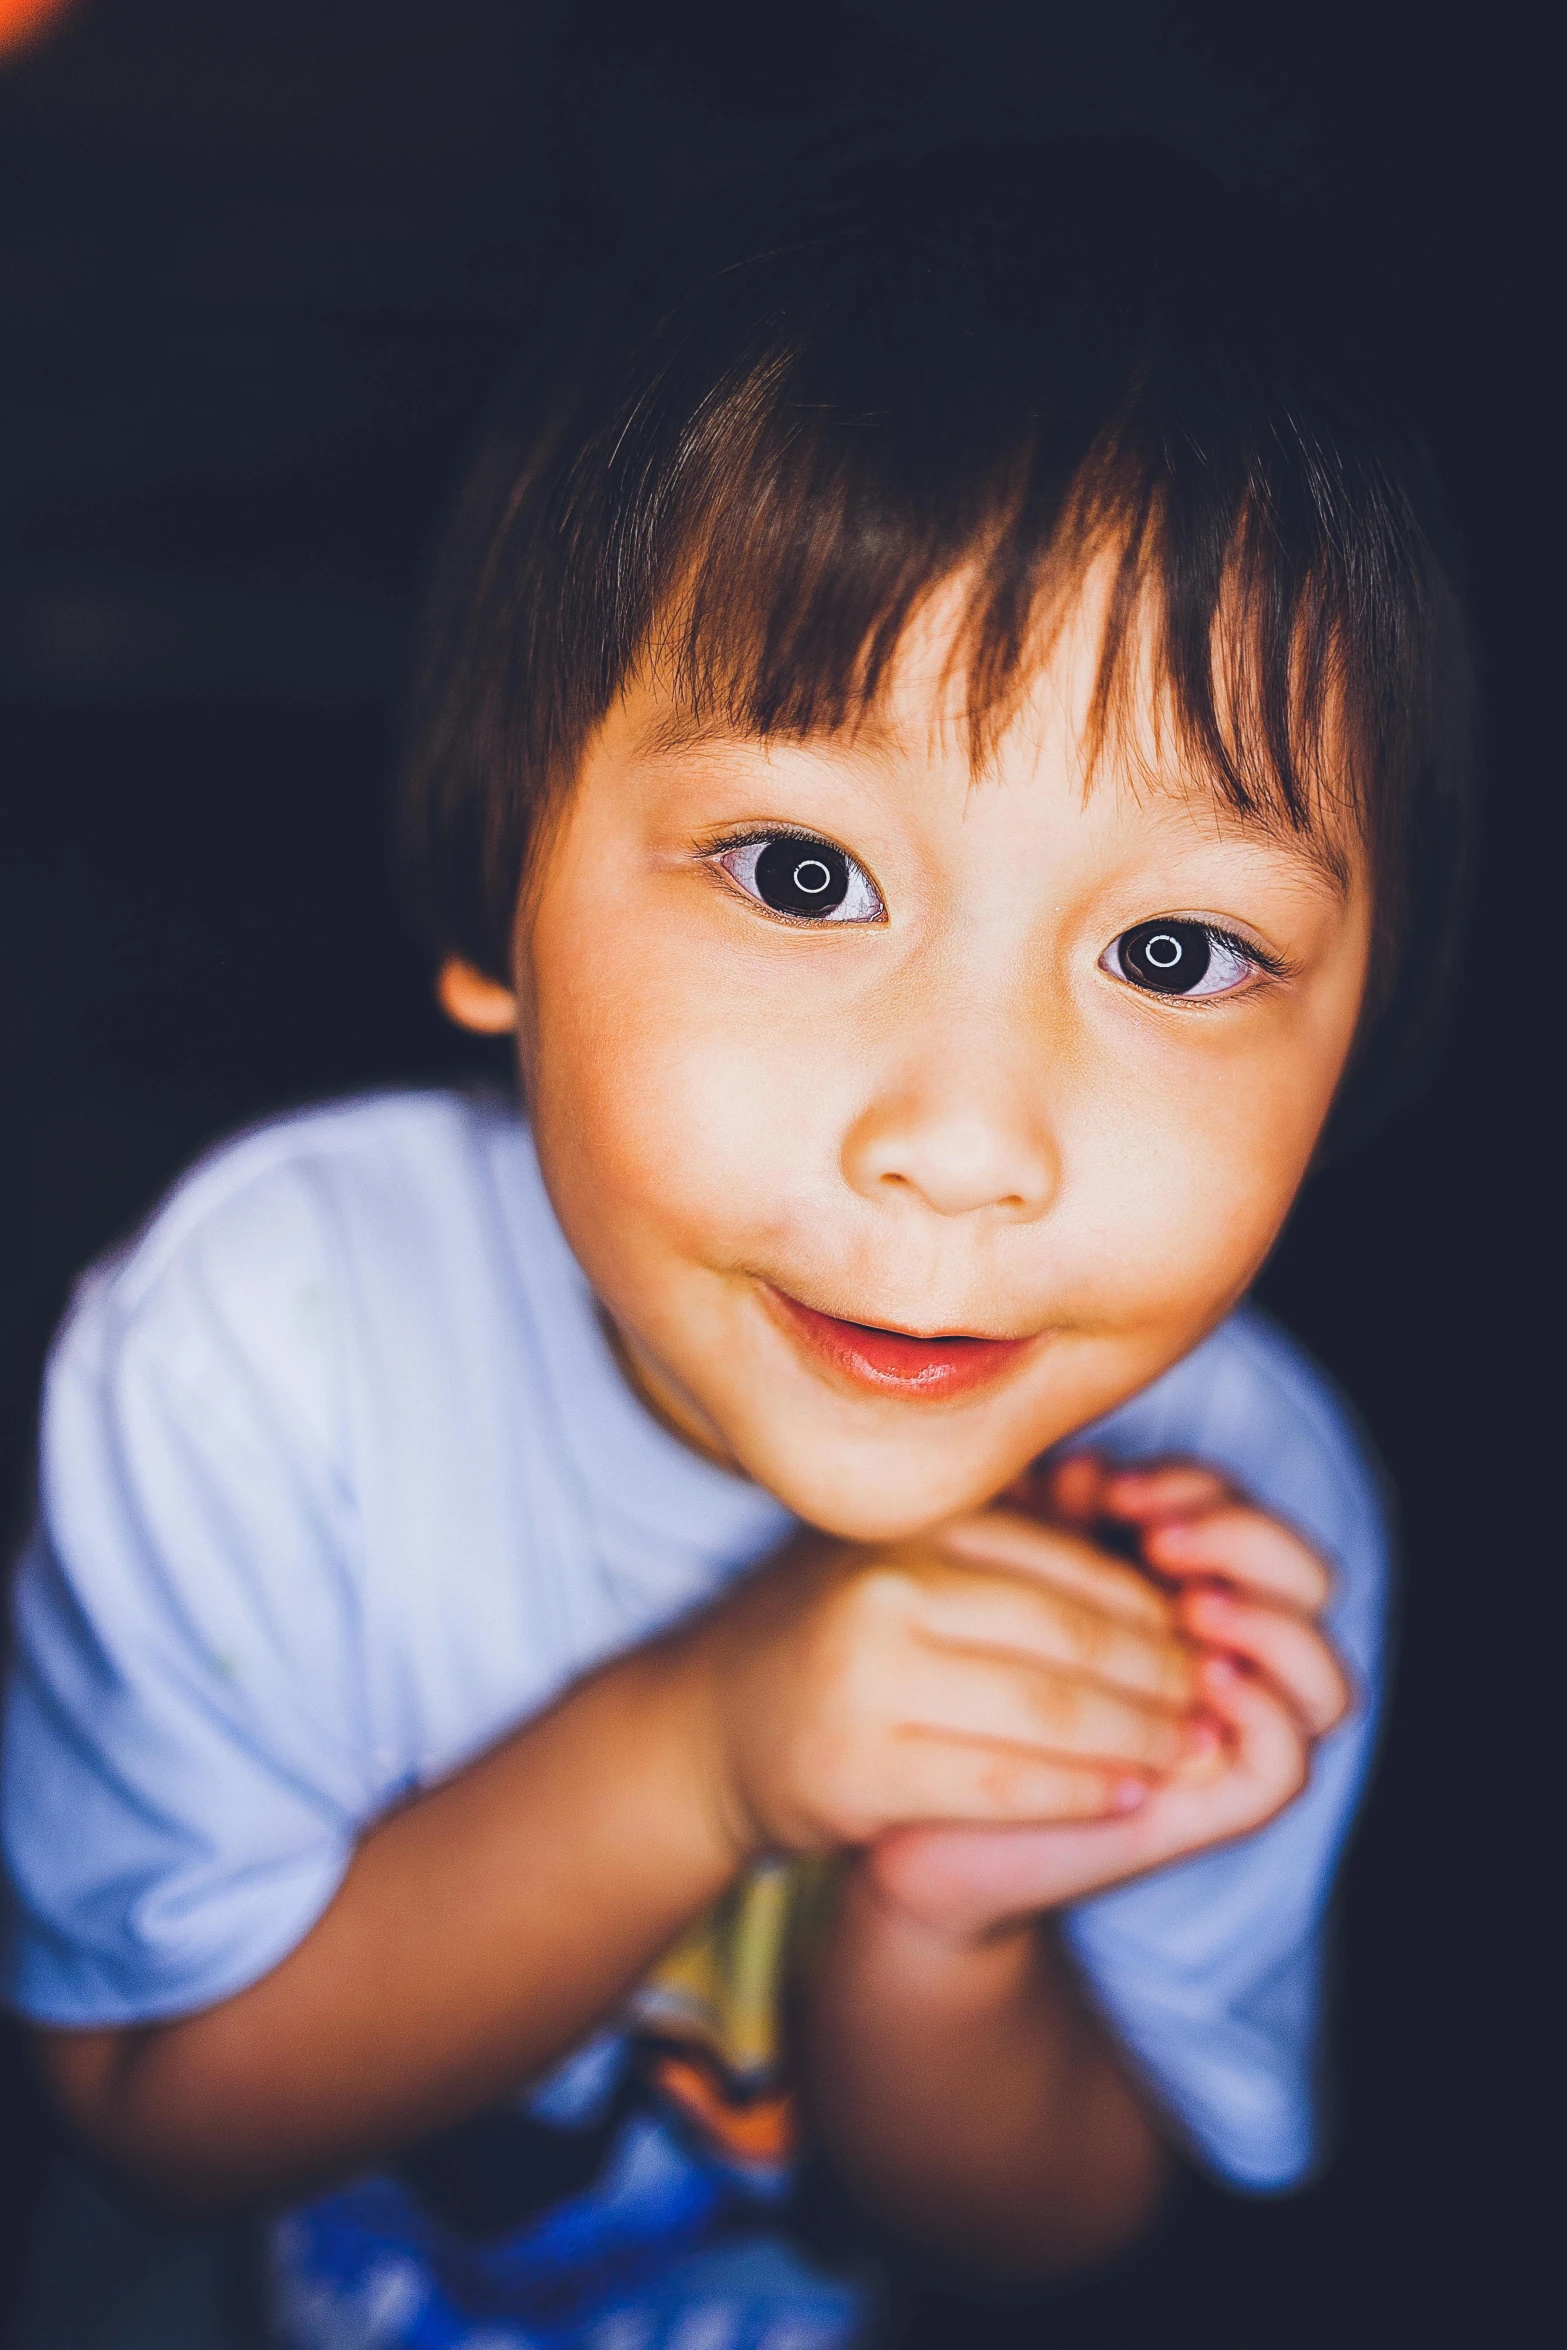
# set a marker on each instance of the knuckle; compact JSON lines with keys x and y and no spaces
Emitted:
{"x":1306,"y":1571}
{"x":1294,"y":1771}
{"x":1282,"y":1784}
{"x":1149,"y":1607}
{"x":835,"y":1774}
{"x":1083,"y":1795}
{"x":1231,"y":1525}
{"x":885,"y":1587}
{"x":1320,"y":1581}
{"x":1000,"y":1781}
{"x":1341,"y":1699}
{"x":1060,"y":1705}
{"x":850,"y":1646}
{"x":1093,"y":1637}
{"x":1175,"y":1677}
{"x":1162,"y":1736}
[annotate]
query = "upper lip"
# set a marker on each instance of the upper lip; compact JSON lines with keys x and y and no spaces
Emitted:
{"x":942,"y":1335}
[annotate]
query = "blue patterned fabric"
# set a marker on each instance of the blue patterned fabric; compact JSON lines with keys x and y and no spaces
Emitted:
{"x":665,"y":2251}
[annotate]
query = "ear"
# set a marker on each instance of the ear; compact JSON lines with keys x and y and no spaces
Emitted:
{"x":473,"y":1001}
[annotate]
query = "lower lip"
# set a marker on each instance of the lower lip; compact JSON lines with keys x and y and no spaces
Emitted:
{"x":895,"y":1364}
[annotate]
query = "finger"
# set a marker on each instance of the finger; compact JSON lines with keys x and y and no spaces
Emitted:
{"x":1245,"y":1547}
{"x":969,"y":1780}
{"x":960,"y":1872}
{"x":1063,"y":1560}
{"x":967,"y":1876}
{"x":1163,"y":1490}
{"x":1072,"y":1492}
{"x":1270,"y":1758}
{"x":1294,"y":1656}
{"x":953,"y":1693}
{"x":1007,"y":1615}
{"x":964,"y":1874}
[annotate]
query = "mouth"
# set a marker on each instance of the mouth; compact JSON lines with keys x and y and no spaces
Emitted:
{"x":899,"y":1362}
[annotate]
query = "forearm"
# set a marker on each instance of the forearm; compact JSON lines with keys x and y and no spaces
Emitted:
{"x":970,"y":2099}
{"x":478,"y":1933}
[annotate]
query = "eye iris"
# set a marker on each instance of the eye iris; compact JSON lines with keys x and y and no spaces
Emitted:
{"x":796,"y":877}
{"x":1170,"y":957}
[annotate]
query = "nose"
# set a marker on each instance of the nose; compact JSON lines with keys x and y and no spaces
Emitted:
{"x":958,"y":1129}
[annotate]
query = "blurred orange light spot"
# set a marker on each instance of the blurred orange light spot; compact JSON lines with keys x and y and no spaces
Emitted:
{"x":24,"y":20}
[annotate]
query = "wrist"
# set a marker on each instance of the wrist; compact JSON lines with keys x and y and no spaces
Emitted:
{"x":982,"y":1951}
{"x":681,"y":1684}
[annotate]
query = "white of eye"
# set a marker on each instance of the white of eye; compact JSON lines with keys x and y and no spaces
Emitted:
{"x":1227,"y":967}
{"x":861,"y":901}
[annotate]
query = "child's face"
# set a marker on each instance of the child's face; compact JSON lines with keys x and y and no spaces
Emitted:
{"x":943,"y":1110}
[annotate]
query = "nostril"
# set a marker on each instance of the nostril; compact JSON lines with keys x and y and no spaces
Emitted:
{"x":951,"y":1156}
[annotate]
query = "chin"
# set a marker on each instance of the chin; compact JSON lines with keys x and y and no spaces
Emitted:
{"x":878,"y":1501}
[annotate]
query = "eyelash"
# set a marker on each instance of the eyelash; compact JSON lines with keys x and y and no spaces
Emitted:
{"x":765,"y":837}
{"x":1112,"y":961}
{"x":1272,"y":966}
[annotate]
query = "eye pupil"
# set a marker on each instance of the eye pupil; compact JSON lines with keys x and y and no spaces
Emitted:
{"x":1170,"y":957}
{"x":814,"y":881}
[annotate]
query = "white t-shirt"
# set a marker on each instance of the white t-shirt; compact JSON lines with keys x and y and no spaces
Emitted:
{"x":339,"y":1482}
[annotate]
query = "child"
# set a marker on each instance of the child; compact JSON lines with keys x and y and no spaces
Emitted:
{"x":783,"y":1602}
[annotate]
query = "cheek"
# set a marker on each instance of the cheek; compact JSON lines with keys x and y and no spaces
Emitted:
{"x":650,"y":1095}
{"x":1185,"y":1173}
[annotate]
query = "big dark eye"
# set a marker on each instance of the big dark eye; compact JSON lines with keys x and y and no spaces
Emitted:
{"x":1179,"y":958}
{"x":810,"y":880}
{"x":802,"y":877}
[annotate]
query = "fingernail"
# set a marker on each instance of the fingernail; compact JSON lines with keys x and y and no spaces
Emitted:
{"x":1129,"y":1794}
{"x":1202,"y":1738}
{"x":1209,"y":1600}
{"x":1174,"y":1531}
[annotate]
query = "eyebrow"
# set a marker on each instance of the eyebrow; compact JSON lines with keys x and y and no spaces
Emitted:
{"x":1327,"y":858}
{"x":679,"y":729}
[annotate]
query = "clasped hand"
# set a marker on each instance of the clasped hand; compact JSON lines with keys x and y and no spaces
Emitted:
{"x":1005,"y":1715}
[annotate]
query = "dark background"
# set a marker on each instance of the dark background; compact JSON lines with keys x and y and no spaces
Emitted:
{"x":260,"y":267}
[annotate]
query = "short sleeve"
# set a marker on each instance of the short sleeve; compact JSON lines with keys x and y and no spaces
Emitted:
{"x":185,"y":1765}
{"x":1212,"y":1972}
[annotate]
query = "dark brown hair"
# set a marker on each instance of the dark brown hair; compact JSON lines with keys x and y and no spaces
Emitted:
{"x":755,"y":459}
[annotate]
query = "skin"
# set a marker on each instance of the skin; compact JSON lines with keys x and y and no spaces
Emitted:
{"x":953,"y":1119}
